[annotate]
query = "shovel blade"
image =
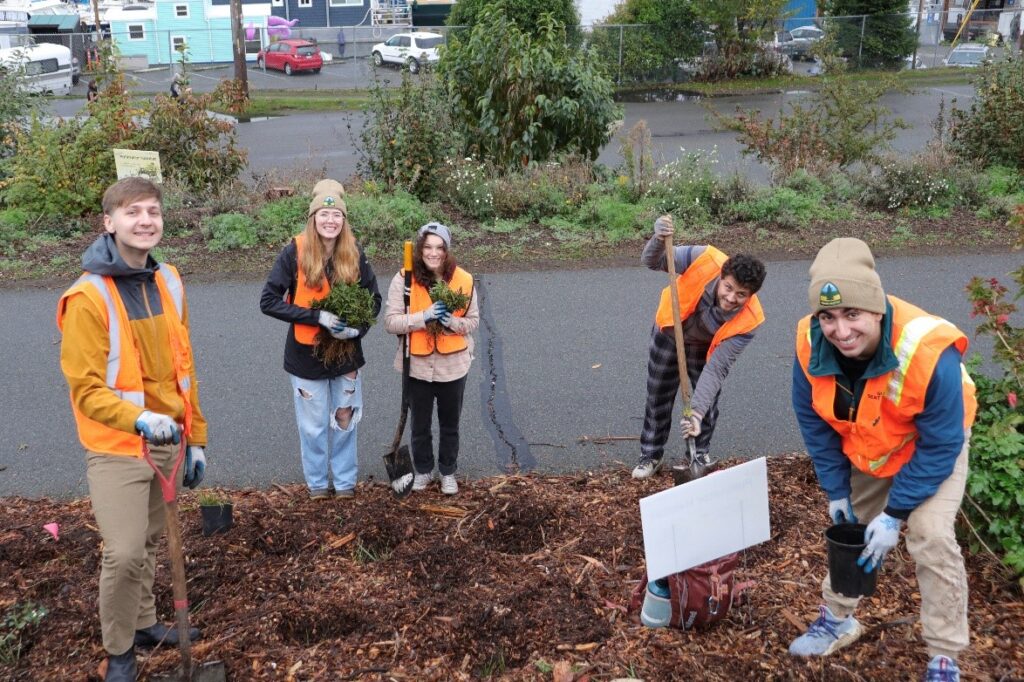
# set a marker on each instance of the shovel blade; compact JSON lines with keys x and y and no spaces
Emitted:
{"x":400,"y":471}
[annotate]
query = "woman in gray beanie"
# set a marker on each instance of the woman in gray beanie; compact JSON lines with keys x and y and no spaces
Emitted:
{"x":885,"y":407}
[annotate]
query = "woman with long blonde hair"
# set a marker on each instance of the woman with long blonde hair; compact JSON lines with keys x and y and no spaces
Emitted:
{"x":328,"y":397}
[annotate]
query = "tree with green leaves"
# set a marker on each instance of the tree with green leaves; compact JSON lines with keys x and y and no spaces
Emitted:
{"x":17,"y":106}
{"x":517,"y":97}
{"x":526,"y":14}
{"x":887,"y":35}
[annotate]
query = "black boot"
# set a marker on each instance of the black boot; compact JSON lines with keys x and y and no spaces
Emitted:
{"x":121,"y":668}
{"x":158,"y":633}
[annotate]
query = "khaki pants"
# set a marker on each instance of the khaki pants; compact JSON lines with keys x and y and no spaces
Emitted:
{"x":931,"y":541}
{"x":129,"y":510}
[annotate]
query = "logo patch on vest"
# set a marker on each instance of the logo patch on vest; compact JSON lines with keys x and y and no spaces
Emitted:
{"x":829,"y":296}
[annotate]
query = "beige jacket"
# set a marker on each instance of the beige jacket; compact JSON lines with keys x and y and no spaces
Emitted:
{"x":433,"y":367}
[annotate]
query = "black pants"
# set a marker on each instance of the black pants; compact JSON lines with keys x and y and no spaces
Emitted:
{"x":449,"y":407}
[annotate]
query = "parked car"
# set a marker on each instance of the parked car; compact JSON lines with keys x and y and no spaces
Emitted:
{"x":970,"y":55}
{"x":291,"y":56}
{"x":803,"y":39}
{"x":408,"y":49}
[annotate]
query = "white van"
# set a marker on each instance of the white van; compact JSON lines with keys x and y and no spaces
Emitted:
{"x":47,"y":67}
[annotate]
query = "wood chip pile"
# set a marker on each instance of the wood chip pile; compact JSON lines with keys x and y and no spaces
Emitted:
{"x":517,"y":578}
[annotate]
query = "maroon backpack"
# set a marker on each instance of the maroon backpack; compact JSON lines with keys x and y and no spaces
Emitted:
{"x":701,"y":595}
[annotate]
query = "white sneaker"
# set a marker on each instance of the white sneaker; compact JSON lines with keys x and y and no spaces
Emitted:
{"x":826,"y":635}
{"x":449,"y":486}
{"x":421,"y":481}
{"x":647,"y":467}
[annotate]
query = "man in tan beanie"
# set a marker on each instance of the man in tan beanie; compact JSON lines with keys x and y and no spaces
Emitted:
{"x":885,"y":407}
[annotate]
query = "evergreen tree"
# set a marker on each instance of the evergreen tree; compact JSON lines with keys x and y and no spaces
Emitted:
{"x":887,"y":35}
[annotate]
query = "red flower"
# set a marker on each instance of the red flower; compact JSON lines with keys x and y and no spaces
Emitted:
{"x":1003,"y":319}
{"x":1011,"y":398}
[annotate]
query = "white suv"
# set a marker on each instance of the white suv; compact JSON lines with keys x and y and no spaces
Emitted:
{"x":408,"y":49}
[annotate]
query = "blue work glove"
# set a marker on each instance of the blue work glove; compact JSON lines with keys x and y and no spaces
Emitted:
{"x":330,"y":321}
{"x":158,"y":429}
{"x":841,"y":511}
{"x":195,"y":466}
{"x":882,"y":535}
{"x":435,"y":311}
{"x":345,"y":333}
{"x":446,"y":319}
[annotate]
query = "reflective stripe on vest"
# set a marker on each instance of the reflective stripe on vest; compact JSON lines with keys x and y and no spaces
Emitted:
{"x":114,"y":329}
{"x":423,"y":342}
{"x":691,"y":285}
{"x":882,"y":438}
{"x":304,"y":295}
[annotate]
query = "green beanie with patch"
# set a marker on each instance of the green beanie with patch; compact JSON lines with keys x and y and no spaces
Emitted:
{"x":843,"y":276}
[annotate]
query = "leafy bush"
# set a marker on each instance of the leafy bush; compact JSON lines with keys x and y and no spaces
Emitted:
{"x":282,"y":219}
{"x":388,"y":219}
{"x":782,"y":206}
{"x":17,"y":106}
{"x":613,"y":219}
{"x":740,"y":58}
{"x":518,"y":97}
{"x":996,"y":480}
{"x":690,"y":182}
{"x":541,"y":190}
{"x":231,"y":231}
{"x":407,"y":135}
{"x":464,"y":184}
{"x":526,"y":14}
{"x":992,"y":129}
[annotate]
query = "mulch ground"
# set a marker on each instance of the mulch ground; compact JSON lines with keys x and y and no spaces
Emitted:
{"x":517,"y":577}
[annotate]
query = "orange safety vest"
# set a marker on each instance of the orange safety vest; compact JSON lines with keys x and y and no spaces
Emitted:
{"x":691,"y":285}
{"x":423,"y":342}
{"x":304,"y":295}
{"x":124,"y":366}
{"x":882,"y":437}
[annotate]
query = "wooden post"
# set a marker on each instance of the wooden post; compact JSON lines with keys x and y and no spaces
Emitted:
{"x":238,"y":45}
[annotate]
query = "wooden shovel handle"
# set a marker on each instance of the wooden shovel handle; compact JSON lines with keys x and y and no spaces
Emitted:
{"x":677,"y":325}
{"x":174,"y":549}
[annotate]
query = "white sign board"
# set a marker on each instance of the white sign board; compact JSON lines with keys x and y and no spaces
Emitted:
{"x":132,"y":162}
{"x":702,"y":520}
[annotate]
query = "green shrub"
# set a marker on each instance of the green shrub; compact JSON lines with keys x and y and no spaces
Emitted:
{"x":525,"y":13}
{"x":231,"y":231}
{"x":996,"y":479}
{"x":282,"y":219}
{"x":14,"y":224}
{"x":613,"y":219}
{"x":992,"y":129}
{"x":690,"y":185}
{"x":541,"y":190}
{"x":19,"y":621}
{"x":782,"y":206}
{"x":388,"y":219}
{"x":463,"y":183}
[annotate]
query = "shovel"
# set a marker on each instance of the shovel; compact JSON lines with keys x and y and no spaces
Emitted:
{"x":398,"y":460}
{"x":212,"y":671}
{"x":693,"y":465}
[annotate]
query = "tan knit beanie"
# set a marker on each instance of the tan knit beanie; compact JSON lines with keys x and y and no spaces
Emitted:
{"x":328,"y":194}
{"x":843,"y":276}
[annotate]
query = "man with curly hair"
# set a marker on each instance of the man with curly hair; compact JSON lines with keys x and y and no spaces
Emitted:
{"x":720,"y":311}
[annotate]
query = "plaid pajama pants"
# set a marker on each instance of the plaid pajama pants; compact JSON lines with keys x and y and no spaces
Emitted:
{"x":662,"y":387}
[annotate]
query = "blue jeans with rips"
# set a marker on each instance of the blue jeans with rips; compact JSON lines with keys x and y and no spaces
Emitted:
{"x":326,"y":446}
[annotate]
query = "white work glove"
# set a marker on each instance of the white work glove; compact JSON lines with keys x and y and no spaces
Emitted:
{"x":881,"y":535}
{"x":345,"y":333}
{"x":158,"y":429}
{"x":195,"y":466}
{"x":691,"y":427}
{"x":841,"y":511}
{"x":435,"y":312}
{"x":330,"y":321}
{"x":663,"y":227}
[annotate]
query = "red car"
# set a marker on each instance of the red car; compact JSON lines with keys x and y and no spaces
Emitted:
{"x":291,"y":56}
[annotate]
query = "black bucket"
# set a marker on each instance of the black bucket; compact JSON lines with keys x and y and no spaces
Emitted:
{"x":845,"y":542}
{"x":216,"y":519}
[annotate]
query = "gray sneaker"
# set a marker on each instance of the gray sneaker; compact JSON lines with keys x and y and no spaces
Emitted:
{"x":320,"y":494}
{"x":345,"y":492}
{"x":421,"y":481}
{"x":826,"y":635}
{"x":647,"y":467}
{"x":449,"y":486}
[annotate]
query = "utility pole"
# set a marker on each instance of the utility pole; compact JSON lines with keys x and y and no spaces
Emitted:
{"x":238,"y":46}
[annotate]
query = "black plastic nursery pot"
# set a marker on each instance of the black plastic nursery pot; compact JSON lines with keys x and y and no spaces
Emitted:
{"x":845,"y":542}
{"x":216,"y":518}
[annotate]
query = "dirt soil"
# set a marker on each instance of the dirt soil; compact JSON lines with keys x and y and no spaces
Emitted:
{"x":516,"y":578}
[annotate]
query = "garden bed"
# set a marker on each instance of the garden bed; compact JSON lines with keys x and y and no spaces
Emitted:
{"x":518,"y":577}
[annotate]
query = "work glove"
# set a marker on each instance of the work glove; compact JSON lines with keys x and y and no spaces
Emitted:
{"x":330,"y":321}
{"x":663,"y":227}
{"x":158,"y":429}
{"x":691,"y":425}
{"x":446,"y":319}
{"x":345,"y":333}
{"x":435,"y":311}
{"x":195,"y":466}
{"x":881,"y":535}
{"x":841,"y":511}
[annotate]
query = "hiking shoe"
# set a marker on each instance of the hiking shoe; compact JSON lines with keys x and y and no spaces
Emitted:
{"x":647,"y":467}
{"x":449,"y":486}
{"x":319,"y":494}
{"x":158,"y":633}
{"x":421,"y":481}
{"x":826,"y":635}
{"x":345,"y":492}
{"x":942,"y":669}
{"x":122,"y":668}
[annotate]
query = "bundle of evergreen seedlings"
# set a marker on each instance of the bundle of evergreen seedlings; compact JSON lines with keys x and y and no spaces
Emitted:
{"x":354,"y":305}
{"x":453,"y":299}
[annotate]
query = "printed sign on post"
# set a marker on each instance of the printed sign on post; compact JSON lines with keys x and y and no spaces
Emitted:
{"x":705,"y":519}
{"x":132,"y":163}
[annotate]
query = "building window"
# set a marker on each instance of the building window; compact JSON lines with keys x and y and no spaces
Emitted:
{"x":178,"y":43}
{"x":181,"y":11}
{"x":305,"y":3}
{"x":136,"y":32}
{"x":253,"y":46}
{"x":346,"y":3}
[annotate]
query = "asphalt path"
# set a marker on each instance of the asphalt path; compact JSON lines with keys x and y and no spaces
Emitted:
{"x":561,"y":360}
